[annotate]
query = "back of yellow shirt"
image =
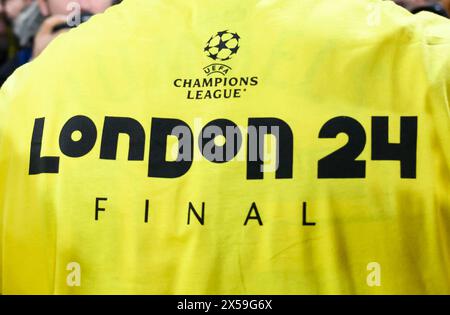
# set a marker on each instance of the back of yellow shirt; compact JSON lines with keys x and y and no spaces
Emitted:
{"x":232,"y":147}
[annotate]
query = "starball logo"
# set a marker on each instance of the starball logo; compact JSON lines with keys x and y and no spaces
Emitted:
{"x":221,"y":48}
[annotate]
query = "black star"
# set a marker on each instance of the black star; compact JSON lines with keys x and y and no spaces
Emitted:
{"x":206,"y":48}
{"x":222,"y":33}
{"x":236,"y":36}
{"x":221,"y":45}
{"x":234,"y":50}
{"x":213,"y":57}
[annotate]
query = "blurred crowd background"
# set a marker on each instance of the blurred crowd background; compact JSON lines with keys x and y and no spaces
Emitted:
{"x":28,"y":26}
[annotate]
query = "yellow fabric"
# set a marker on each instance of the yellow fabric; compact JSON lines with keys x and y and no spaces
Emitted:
{"x":313,"y":60}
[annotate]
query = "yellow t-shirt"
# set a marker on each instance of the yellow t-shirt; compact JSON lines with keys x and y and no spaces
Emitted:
{"x":231,"y":147}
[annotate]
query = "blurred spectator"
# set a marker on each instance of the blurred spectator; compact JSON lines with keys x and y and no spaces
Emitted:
{"x":411,"y":4}
{"x":4,"y":37}
{"x":13,"y":8}
{"x":446,"y":5}
{"x":21,"y":18}
{"x":12,"y":13}
{"x":56,"y":13}
{"x":34,"y":23}
{"x":435,"y":6}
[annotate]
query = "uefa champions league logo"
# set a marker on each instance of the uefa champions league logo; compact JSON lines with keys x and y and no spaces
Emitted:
{"x":221,"y":47}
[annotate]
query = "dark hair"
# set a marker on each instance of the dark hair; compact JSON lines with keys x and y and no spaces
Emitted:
{"x":434,"y":8}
